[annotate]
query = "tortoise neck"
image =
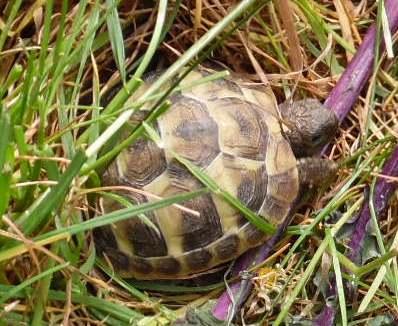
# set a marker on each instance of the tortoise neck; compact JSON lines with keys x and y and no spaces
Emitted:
{"x":314,"y":172}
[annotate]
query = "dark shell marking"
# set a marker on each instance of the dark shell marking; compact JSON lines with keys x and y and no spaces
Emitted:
{"x":252,"y":188}
{"x":168,"y":266}
{"x":227,"y":247}
{"x":198,"y":258}
{"x":141,"y":265}
{"x":189,"y":130}
{"x":146,"y":240}
{"x":232,"y":132}
{"x":243,"y":129}
{"x":201,"y":230}
{"x":141,"y":163}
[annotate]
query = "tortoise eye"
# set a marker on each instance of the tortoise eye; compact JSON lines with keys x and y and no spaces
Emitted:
{"x":316,"y":139}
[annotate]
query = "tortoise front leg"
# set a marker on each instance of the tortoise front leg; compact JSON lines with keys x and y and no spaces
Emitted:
{"x":315,"y":172}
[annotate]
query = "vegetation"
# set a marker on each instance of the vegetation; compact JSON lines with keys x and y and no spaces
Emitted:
{"x":60,"y":114}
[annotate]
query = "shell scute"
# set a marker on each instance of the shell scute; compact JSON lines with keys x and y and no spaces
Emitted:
{"x":252,"y":236}
{"x":139,"y":165}
{"x":140,"y":265}
{"x":189,"y":130}
{"x":243,"y":130}
{"x":199,"y":231}
{"x":196,"y":259}
{"x":211,"y":91}
{"x":168,"y":265}
{"x":252,"y":188}
{"x":227,"y":247}
{"x":146,"y":240}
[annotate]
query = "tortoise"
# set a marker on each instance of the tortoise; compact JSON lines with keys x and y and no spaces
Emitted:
{"x":234,"y":131}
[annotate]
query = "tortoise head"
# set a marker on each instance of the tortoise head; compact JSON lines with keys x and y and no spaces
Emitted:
{"x":308,"y":125}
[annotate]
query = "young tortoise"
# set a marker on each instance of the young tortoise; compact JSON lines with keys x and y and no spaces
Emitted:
{"x":233,"y":131}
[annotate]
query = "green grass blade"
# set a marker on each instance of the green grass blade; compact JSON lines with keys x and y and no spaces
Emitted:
{"x":22,"y":109}
{"x":13,"y":76}
{"x":319,"y":28}
{"x":380,"y":276}
{"x":155,"y":40}
{"x":138,"y":131}
{"x":339,"y":279}
{"x":260,"y":222}
{"x":6,"y":29}
{"x":302,"y":281}
{"x":66,"y":46}
{"x":174,"y":69}
{"x":63,"y":120}
{"x":45,"y":40}
{"x":6,"y":160}
{"x":54,"y":197}
{"x":5,"y":135}
{"x":5,"y":186}
{"x":123,"y":214}
{"x":115,"y":104}
{"x":14,"y":290}
{"x":114,"y":309}
{"x":113,"y":217}
{"x":40,"y":299}
{"x":116,"y":37}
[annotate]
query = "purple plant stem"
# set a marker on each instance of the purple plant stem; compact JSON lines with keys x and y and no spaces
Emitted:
{"x":326,"y":317}
{"x":340,"y":100}
{"x":343,"y":96}
{"x":253,"y":256}
{"x":382,"y":194}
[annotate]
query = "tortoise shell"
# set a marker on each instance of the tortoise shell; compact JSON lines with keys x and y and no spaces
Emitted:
{"x":230,"y":130}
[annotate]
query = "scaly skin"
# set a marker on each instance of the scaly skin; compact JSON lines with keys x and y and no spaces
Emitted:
{"x":309,"y":126}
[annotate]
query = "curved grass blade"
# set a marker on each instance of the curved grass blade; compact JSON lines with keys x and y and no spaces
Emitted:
{"x":174,"y":69}
{"x":53,"y":198}
{"x":116,"y":37}
{"x":16,"y":289}
{"x":205,"y":179}
{"x":114,"y":309}
{"x":253,"y":218}
{"x":116,"y":216}
{"x":155,"y":40}
{"x":6,"y":29}
{"x":339,"y":279}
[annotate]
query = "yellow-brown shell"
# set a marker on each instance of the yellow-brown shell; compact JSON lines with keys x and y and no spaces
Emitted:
{"x":229,"y":129}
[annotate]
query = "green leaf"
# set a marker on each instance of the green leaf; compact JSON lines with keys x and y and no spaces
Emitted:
{"x":5,"y":135}
{"x":53,"y":198}
{"x":14,"y":290}
{"x":88,"y":265}
{"x":106,"y":219}
{"x":11,"y":16}
{"x":259,"y":222}
{"x":339,"y":279}
{"x":115,"y":309}
{"x":116,"y":37}
{"x":5,"y":183}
